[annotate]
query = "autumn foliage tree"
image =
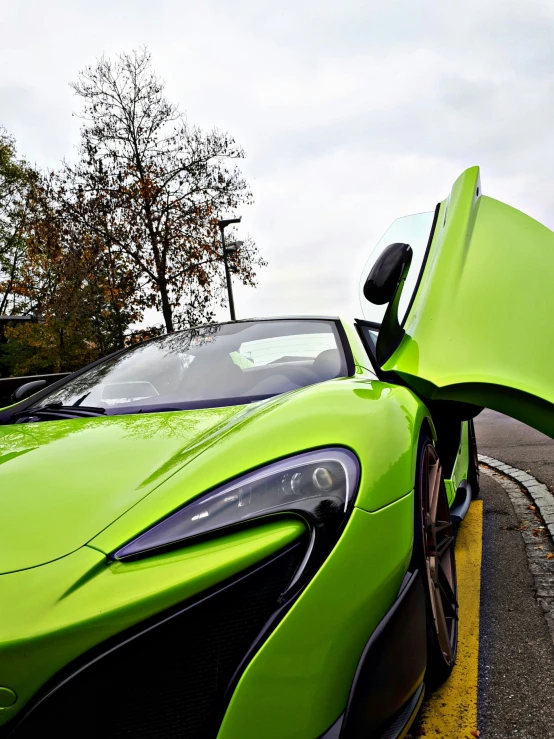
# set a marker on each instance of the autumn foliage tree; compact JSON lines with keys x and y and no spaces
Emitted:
{"x":84,"y":303}
{"x":129,"y":225}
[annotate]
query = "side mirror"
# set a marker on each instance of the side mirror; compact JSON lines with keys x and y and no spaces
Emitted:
{"x":385,"y":274}
{"x":384,"y":284}
{"x":27,"y":389}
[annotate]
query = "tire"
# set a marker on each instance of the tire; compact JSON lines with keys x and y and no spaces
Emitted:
{"x":473,"y":467}
{"x":434,"y":556}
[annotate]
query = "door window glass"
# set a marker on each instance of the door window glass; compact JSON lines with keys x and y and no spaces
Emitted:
{"x":415,"y":231}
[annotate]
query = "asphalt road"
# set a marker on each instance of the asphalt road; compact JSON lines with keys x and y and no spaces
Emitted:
{"x":516,"y":444}
{"x":516,"y":653}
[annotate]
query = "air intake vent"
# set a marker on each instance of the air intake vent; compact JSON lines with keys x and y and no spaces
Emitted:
{"x":168,"y":682}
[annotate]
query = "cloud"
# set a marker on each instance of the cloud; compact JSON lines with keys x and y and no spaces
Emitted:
{"x":351,"y":113}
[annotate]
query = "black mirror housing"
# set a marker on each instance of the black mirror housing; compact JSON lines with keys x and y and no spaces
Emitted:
{"x":386,"y":273}
{"x":384,"y":284}
{"x":27,"y":389}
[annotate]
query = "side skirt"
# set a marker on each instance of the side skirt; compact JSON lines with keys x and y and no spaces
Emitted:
{"x":388,"y":685}
{"x":461,"y":503}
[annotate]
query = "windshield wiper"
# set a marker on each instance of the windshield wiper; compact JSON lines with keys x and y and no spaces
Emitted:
{"x":59,"y":411}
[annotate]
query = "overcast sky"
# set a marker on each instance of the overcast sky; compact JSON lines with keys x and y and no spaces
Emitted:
{"x":351,"y":113}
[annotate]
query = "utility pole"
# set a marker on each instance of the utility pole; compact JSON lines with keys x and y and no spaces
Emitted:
{"x":222,"y":226}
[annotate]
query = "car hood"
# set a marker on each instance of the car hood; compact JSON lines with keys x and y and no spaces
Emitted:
{"x":63,"y":482}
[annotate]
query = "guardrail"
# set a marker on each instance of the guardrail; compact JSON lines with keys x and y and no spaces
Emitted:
{"x":9,"y":385}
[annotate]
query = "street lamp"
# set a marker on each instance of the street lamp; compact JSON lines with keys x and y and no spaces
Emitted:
{"x":232,"y":247}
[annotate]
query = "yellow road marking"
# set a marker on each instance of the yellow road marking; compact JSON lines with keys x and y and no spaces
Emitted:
{"x":451,"y":711}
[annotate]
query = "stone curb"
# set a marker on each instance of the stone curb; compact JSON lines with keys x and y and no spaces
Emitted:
{"x":520,"y":486}
{"x":541,"y":495}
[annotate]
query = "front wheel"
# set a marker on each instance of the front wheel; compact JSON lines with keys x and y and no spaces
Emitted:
{"x":434,"y":556}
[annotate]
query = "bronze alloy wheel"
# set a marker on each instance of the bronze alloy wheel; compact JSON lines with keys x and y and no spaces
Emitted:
{"x":438,"y":565}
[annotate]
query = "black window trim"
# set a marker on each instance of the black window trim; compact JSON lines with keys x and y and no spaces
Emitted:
{"x":390,"y":377}
{"x":361,"y":323}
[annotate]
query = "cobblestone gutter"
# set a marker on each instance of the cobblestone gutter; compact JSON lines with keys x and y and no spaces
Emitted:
{"x":534,"y":507}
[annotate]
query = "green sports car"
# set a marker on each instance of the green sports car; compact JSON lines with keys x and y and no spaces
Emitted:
{"x":246,"y":530}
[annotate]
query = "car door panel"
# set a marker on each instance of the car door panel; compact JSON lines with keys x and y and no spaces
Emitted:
{"x":479,"y":327}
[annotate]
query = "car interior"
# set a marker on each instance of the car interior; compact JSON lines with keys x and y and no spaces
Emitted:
{"x":249,"y":361}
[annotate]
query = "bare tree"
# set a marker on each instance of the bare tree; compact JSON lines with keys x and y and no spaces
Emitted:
{"x":159,"y":185}
{"x":18,"y":182}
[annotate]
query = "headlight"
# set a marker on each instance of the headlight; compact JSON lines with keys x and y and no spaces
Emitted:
{"x":319,"y":486}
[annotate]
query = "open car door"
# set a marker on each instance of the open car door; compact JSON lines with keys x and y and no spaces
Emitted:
{"x":468,"y":311}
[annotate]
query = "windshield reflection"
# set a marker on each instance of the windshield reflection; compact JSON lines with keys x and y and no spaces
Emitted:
{"x":224,"y":364}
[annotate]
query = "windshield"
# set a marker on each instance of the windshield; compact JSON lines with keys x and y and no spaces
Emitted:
{"x":414,"y":230}
{"x":225,"y":364}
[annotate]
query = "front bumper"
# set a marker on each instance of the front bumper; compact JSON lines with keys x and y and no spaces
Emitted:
{"x":294,"y":681}
{"x":168,"y":676}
